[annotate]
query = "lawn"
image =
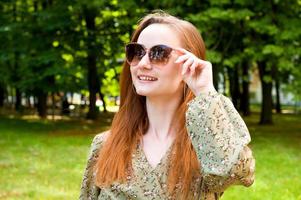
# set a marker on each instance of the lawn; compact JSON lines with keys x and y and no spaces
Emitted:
{"x":44,"y":159}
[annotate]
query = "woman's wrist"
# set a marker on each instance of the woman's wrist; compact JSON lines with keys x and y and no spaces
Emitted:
{"x":204,"y":90}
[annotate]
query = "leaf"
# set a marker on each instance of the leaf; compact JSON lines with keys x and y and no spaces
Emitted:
{"x":271,"y":49}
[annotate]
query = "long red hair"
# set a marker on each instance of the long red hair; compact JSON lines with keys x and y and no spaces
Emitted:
{"x":131,"y":122}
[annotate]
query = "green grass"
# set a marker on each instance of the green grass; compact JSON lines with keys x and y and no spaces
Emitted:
{"x":277,"y":150}
{"x":44,"y":159}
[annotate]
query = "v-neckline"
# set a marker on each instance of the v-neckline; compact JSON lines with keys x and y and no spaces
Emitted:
{"x":163,"y":158}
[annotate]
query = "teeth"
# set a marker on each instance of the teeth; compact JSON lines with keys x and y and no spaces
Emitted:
{"x":147,"y":78}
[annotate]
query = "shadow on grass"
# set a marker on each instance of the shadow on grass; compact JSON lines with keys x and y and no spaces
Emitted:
{"x":66,"y":126}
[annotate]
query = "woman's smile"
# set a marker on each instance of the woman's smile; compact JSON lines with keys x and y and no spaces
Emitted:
{"x":146,"y":78}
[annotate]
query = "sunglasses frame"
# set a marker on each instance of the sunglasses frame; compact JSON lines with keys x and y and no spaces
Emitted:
{"x":147,"y":51}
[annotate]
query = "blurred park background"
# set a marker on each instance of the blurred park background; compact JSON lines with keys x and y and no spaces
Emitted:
{"x":60,"y":63}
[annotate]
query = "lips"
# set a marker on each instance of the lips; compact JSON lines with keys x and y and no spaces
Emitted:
{"x":146,"y":78}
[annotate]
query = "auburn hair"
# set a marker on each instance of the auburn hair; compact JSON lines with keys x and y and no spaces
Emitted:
{"x":131,"y":121}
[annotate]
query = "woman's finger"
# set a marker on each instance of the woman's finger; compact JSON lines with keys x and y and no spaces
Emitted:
{"x":203,"y":63}
{"x":186,"y":65}
{"x":182,"y":50}
{"x":182,"y":58}
{"x":194,"y":66}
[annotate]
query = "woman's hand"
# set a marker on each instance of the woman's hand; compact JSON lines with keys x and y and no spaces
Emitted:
{"x":196,"y":73}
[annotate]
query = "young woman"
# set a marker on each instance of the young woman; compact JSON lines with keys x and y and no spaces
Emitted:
{"x":174,"y":136}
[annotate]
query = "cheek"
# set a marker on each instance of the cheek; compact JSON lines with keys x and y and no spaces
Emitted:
{"x":174,"y":76}
{"x":174,"y":72}
{"x":133,"y":72}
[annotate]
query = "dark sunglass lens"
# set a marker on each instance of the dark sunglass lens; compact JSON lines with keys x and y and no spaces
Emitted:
{"x":134,"y":53}
{"x":160,"y":54}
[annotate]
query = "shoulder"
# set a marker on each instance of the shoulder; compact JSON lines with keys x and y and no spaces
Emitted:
{"x":88,"y":188}
{"x":96,"y":145}
{"x":101,"y":137}
{"x":98,"y":140}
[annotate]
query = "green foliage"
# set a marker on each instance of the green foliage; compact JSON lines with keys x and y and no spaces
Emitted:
{"x":271,"y":49}
{"x":213,"y":56}
{"x":110,"y":83}
{"x":244,"y":30}
{"x":45,"y":44}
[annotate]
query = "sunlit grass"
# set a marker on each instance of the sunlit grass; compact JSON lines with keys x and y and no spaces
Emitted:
{"x":277,"y":150}
{"x":44,"y":159}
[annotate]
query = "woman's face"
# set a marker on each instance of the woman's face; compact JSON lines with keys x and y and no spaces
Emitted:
{"x":163,"y":80}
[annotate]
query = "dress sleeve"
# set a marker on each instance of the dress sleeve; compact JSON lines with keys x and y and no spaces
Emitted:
{"x":88,"y":188}
{"x":220,"y":137}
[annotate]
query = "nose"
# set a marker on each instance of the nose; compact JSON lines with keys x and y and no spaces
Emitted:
{"x":145,"y":62}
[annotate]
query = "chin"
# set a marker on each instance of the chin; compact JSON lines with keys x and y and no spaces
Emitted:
{"x":144,"y":92}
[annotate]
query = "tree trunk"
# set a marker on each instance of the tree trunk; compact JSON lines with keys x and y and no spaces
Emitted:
{"x":11,"y":100}
{"x":234,"y":86}
{"x":224,"y":81}
{"x":18,"y":100}
{"x":277,"y":86}
{"x":52,"y":105}
{"x":245,"y":96}
{"x":102,"y":96}
{"x":42,"y":104}
{"x":35,"y":101}
{"x":266,"y":104}
{"x":2,"y":95}
{"x":65,"y":105}
{"x":28,"y":102}
{"x":90,"y":15}
{"x":16,"y":77}
{"x":215,"y":76}
{"x":103,"y":101}
{"x":92,"y":113}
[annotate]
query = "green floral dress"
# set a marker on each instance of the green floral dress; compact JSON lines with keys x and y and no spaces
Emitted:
{"x":219,"y":137}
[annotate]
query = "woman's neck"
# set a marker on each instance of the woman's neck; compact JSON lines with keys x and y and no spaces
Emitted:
{"x":161,"y":111}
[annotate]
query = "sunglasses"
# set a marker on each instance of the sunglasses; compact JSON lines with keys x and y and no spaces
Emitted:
{"x":158,"y":54}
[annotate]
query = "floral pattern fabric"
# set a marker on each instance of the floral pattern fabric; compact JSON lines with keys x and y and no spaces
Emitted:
{"x":220,"y":139}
